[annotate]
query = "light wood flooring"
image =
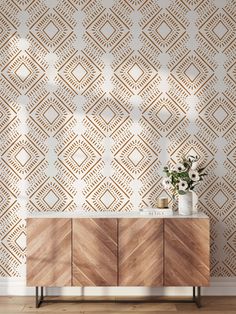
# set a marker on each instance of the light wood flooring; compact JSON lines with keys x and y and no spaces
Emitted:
{"x":213,"y":305}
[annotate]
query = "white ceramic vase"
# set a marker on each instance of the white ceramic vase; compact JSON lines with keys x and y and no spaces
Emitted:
{"x":186,"y":203}
{"x":195,"y":202}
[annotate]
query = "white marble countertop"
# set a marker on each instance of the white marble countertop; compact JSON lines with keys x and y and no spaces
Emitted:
{"x":133,"y":214}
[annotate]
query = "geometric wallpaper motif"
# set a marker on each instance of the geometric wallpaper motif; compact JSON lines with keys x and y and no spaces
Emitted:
{"x":97,"y":95}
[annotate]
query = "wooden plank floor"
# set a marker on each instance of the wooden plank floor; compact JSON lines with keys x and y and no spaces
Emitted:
{"x":213,"y":305}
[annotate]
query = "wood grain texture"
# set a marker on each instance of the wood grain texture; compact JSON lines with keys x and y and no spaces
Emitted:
{"x":140,"y":252}
{"x":94,"y":252}
{"x":48,"y":252}
{"x":186,"y":252}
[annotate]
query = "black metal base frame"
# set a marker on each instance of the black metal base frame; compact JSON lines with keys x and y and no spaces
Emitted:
{"x":195,"y":299}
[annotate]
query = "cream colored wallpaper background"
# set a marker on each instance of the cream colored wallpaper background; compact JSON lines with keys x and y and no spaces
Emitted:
{"x":97,"y":95}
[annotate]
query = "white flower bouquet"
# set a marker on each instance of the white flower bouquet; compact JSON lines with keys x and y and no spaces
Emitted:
{"x":184,"y":176}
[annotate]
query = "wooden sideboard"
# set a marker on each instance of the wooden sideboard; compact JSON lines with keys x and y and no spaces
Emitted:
{"x":118,"y":252}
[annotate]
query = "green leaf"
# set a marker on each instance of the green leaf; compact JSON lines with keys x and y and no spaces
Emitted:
{"x":181,"y":192}
{"x":183,"y":174}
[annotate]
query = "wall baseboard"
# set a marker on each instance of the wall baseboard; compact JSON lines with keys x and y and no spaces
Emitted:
{"x":218,"y":287}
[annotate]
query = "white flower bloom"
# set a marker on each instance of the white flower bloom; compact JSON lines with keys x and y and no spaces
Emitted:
{"x":167,"y":183}
{"x":192,"y":158}
{"x":194,"y":165}
{"x":179,"y":167}
{"x":183,"y":185}
{"x":194,"y":175}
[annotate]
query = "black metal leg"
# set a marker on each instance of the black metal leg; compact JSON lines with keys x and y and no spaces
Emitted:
{"x":198,"y":300}
{"x":194,"y":294}
{"x":36,"y":297}
{"x":41,"y":294}
{"x":38,"y":300}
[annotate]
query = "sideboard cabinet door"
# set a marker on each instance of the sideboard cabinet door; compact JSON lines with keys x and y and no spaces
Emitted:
{"x":186,"y":252}
{"x":49,"y":252}
{"x":94,"y":252}
{"x":140,"y":252}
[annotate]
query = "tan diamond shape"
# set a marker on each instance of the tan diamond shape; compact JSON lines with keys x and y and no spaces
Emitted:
{"x":21,"y":240}
{"x":51,"y":195}
{"x":51,"y":199}
{"x":107,"y":199}
{"x":192,"y":72}
{"x":135,"y":156}
{"x":51,"y":114}
{"x":23,"y":72}
{"x":79,"y":72}
{"x":107,"y":196}
{"x":219,"y":199}
{"x":163,"y":30}
{"x":135,"y":72}
{"x":219,"y":30}
{"x":219,"y":114}
{"x":107,"y":30}
{"x":51,"y":30}
{"x":164,"y":114}
{"x":107,"y":114}
{"x":79,"y":156}
{"x":23,"y":156}
{"x":140,"y":73}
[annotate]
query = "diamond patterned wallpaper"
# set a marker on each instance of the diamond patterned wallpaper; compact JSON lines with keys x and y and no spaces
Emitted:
{"x":97,"y":95}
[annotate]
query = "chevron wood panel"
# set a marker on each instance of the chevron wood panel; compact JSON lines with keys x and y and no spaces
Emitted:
{"x":186,"y":252}
{"x":140,"y":252}
{"x":49,"y":252}
{"x":94,"y":252}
